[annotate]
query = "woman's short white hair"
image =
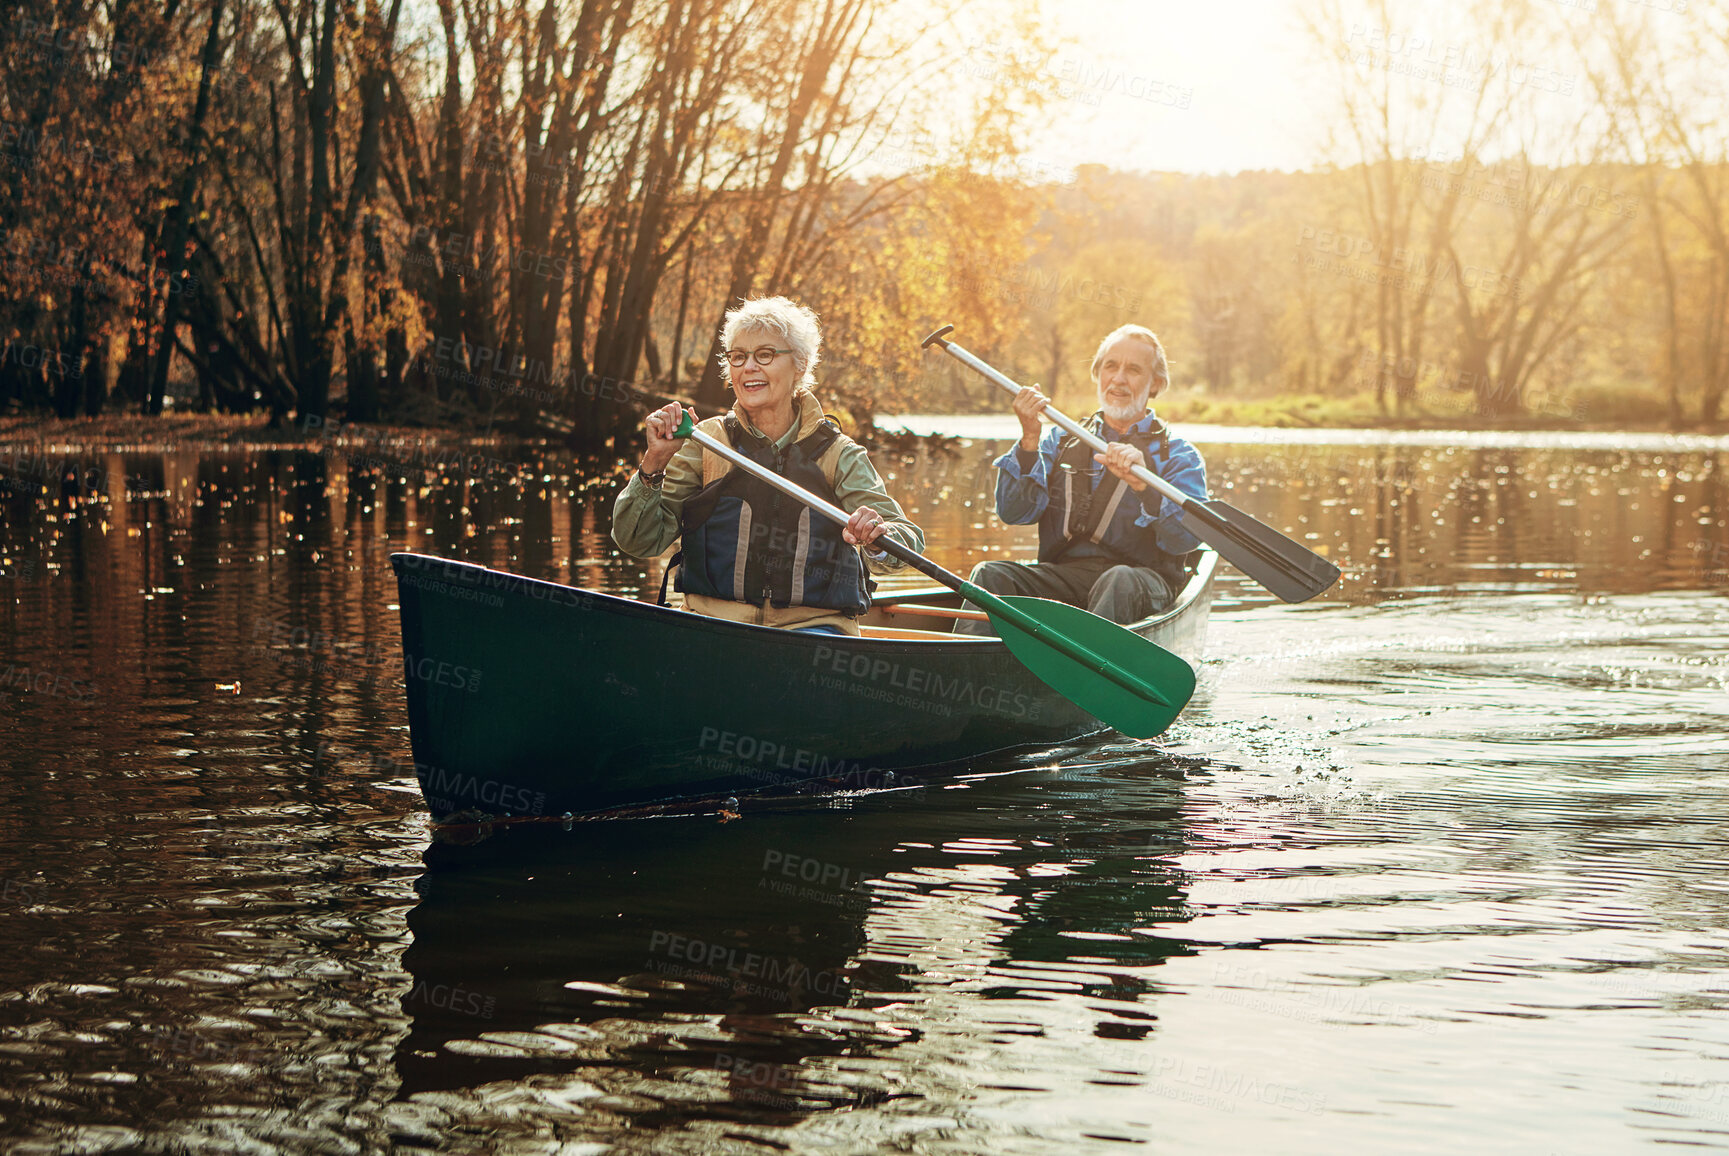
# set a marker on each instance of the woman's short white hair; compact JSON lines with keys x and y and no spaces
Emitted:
{"x":1161,"y":371}
{"x":796,"y":325}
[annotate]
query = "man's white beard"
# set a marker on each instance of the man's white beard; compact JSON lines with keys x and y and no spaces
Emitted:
{"x":1126,"y":413}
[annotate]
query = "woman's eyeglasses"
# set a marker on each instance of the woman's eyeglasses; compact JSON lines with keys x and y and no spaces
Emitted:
{"x":764,"y":355}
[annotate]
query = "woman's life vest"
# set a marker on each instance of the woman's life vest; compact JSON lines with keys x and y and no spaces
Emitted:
{"x":745,"y":541}
{"x":1079,"y":512}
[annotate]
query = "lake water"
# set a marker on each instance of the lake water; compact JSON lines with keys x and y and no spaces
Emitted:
{"x":1435,"y":863}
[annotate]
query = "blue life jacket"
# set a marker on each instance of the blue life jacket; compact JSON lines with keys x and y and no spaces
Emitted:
{"x":1079,"y":512}
{"x":745,"y":541}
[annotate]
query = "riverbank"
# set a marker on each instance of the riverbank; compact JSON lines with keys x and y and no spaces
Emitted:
{"x":1308,"y":418}
{"x":123,"y":433}
{"x":1632,"y":408}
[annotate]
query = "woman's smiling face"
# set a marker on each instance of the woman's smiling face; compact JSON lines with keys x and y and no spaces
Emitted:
{"x":762,"y":388}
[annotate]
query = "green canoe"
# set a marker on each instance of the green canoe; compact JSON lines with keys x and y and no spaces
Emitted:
{"x":532,"y":698}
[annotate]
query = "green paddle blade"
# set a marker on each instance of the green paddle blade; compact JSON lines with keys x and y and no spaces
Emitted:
{"x":1088,"y":660}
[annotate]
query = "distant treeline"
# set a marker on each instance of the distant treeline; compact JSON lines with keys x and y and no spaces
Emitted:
{"x":533,"y":215}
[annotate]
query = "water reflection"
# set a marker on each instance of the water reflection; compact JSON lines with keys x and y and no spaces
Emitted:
{"x":1421,"y":855}
{"x":1402,"y":520}
{"x":694,"y":969}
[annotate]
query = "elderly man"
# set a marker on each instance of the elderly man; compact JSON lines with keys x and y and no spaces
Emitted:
{"x":1107,"y":540}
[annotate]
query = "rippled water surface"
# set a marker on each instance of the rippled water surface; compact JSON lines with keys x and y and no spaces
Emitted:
{"x":1435,"y":864}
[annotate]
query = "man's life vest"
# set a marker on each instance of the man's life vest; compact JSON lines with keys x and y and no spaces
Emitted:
{"x":1078,"y":512}
{"x":745,"y":541}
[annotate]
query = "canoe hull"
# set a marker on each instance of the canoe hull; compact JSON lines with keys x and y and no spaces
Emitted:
{"x":533,"y":698}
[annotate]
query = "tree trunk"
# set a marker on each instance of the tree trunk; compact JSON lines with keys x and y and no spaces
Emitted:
{"x":178,"y":225}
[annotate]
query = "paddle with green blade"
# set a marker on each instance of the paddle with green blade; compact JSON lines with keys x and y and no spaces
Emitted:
{"x":1115,"y":675}
{"x":1289,"y":569}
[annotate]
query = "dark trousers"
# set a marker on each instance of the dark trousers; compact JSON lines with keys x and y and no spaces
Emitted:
{"x":1119,"y":593}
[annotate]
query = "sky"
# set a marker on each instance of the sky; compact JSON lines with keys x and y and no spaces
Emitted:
{"x":1192,"y":87}
{"x":1218,"y":86}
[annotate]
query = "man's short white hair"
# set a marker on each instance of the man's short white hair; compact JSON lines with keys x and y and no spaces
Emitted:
{"x":795,"y":324}
{"x":1161,"y":371}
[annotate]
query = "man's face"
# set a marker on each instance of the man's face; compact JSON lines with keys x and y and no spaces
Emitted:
{"x":1125,"y":378}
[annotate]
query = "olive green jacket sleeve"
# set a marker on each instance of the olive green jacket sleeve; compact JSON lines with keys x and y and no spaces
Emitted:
{"x":856,"y":484}
{"x":645,"y":517}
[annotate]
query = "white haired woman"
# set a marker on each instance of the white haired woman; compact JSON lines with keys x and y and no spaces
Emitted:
{"x":747,"y":553}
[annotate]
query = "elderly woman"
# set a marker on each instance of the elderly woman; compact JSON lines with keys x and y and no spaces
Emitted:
{"x":748,"y":553}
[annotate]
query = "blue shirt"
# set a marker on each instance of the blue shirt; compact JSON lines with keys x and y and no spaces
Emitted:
{"x":1022,"y":496}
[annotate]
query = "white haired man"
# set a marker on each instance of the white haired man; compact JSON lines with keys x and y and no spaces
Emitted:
{"x":1107,"y":540}
{"x":747,"y":553}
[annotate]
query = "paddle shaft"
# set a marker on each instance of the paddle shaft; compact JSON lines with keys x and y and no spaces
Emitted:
{"x":933,"y":611}
{"x":974,"y":594}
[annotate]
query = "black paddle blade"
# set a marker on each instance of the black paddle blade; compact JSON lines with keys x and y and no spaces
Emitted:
{"x":1126,"y":681}
{"x":1292,"y":571}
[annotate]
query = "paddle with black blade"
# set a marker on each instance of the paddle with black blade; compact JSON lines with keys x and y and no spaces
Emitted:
{"x":1286,"y":567}
{"x":1113,"y":674}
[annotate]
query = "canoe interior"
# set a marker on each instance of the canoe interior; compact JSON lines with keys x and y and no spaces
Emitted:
{"x":1202,"y":566}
